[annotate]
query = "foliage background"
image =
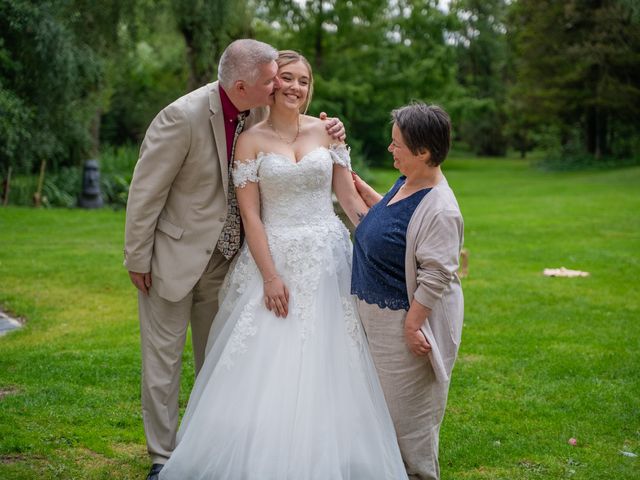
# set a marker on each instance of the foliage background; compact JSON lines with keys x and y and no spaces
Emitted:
{"x":81,"y":78}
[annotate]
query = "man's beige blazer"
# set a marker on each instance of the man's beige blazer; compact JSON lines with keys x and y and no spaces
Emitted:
{"x":177,"y":202}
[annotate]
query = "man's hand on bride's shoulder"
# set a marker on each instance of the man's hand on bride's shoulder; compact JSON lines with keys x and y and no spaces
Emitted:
{"x":334,"y":126}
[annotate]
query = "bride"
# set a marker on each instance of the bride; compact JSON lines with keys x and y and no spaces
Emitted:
{"x":288,"y":390}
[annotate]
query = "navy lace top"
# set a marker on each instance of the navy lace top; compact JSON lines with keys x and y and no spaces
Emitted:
{"x":379,"y":248}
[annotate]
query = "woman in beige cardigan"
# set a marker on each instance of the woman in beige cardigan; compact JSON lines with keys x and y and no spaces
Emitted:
{"x":406,"y":252}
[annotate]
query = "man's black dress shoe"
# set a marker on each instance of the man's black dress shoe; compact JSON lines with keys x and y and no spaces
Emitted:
{"x":155,"y":470}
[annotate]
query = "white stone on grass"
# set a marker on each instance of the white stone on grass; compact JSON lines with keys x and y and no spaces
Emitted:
{"x":7,"y":323}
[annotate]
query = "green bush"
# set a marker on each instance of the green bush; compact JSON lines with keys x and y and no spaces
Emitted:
{"x":116,"y":167}
{"x":22,"y":189}
{"x":59,"y":189}
{"x":62,"y":187}
{"x":572,"y":154}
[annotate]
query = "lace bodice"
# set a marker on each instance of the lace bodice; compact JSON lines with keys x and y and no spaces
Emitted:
{"x":307,"y":240}
{"x":293,"y":193}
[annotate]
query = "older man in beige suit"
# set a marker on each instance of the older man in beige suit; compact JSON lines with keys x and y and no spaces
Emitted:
{"x":183,"y":226}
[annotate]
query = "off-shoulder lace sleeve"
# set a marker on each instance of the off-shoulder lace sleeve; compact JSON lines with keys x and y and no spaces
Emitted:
{"x":245,"y":171}
{"x":340,"y":154}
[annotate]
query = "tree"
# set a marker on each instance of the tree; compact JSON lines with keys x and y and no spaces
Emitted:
{"x":45,"y":75}
{"x":481,"y":51}
{"x":207,"y":27}
{"x":149,"y":72}
{"x":579,"y":70}
{"x":108,"y":28}
{"x":368,"y":57}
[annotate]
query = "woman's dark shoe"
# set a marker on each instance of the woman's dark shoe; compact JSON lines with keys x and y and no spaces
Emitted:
{"x":155,"y":470}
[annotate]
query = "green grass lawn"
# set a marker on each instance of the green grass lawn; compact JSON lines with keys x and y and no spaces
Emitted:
{"x":543,"y":359}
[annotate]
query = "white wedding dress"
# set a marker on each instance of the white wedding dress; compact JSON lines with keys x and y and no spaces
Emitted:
{"x":293,"y":398}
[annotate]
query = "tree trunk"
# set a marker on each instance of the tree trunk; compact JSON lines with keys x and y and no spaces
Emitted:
{"x":591,"y":129}
{"x":7,"y":188}
{"x":192,"y":59}
{"x":596,"y":138}
{"x":96,"y":123}
{"x":597,"y":127}
{"x":603,"y":127}
{"x":523,"y":151}
{"x":318,"y":49}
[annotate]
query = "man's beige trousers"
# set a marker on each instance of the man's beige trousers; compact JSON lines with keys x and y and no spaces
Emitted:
{"x":163,"y":331}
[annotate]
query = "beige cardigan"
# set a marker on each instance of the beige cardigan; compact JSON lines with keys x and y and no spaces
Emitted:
{"x":434,"y":240}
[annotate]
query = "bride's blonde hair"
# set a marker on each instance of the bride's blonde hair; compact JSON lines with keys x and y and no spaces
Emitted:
{"x":285,"y":57}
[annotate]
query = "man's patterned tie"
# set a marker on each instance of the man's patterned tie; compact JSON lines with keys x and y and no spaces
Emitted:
{"x":229,"y":241}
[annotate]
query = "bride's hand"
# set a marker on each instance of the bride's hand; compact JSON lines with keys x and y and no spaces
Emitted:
{"x":276,"y":296}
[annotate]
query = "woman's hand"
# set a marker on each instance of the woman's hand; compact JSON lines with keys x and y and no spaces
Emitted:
{"x":276,"y":296}
{"x":413,"y":336}
{"x":369,"y":196}
{"x":417,"y":342}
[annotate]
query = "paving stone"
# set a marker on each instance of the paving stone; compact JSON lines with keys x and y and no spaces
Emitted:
{"x":7,"y":323}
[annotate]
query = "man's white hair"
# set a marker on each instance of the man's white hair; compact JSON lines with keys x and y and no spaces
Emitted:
{"x":242,"y":59}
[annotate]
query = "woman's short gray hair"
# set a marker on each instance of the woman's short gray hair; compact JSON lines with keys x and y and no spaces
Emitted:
{"x":242,"y":59}
{"x":424,"y":128}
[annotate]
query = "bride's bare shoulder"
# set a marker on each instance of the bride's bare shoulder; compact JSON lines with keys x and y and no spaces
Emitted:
{"x":307,"y":121}
{"x":316,"y":128}
{"x":260,"y":129}
{"x":254,"y":135}
{"x":250,"y":142}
